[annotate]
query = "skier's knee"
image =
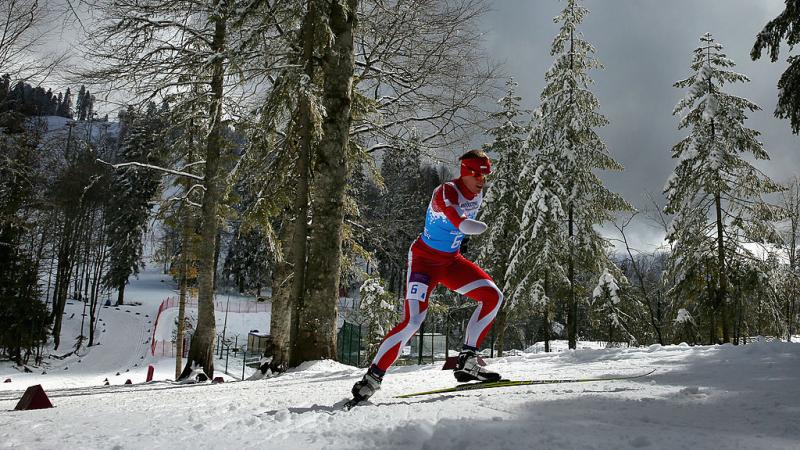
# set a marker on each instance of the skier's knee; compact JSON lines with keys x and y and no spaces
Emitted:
{"x":499,"y":297}
{"x":416,"y":320}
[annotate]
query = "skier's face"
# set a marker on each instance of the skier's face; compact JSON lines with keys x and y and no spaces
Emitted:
{"x":474,"y":182}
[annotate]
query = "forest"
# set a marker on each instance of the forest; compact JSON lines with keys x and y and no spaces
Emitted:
{"x":288,"y":150}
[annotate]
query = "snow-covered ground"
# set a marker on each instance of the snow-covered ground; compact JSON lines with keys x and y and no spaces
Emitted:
{"x":123,"y":340}
{"x":720,"y":397}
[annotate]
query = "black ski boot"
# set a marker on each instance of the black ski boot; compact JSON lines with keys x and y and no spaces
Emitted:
{"x":366,"y":387}
{"x":468,"y":369}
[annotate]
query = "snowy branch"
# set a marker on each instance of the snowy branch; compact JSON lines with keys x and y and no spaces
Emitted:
{"x":150,"y":166}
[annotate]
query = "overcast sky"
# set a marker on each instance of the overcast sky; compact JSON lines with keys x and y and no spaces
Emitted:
{"x":646,"y":45}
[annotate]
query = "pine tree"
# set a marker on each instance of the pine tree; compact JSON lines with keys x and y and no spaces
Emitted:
{"x":503,"y":205}
{"x":80,"y":103}
{"x":132,"y":192}
{"x":248,"y":260}
{"x":607,"y":301}
{"x":24,"y":316}
{"x":65,"y":106}
{"x":377,"y":311}
{"x":714,"y":192}
{"x":784,"y":27}
{"x":537,"y":268}
{"x":563,"y":179}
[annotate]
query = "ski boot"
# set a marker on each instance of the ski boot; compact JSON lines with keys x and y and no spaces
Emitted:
{"x":366,"y":387}
{"x":468,"y":369}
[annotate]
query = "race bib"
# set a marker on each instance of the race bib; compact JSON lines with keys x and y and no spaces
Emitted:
{"x":418,"y":287}
{"x":417,"y":291}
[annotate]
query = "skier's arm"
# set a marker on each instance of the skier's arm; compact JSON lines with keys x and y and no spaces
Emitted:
{"x":446,"y":200}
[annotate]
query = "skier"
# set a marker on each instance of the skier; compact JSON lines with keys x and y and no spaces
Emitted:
{"x":434,"y":258}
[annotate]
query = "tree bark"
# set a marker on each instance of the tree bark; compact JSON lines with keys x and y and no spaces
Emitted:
{"x":121,"y":293}
{"x":201,"y":350}
{"x":722,"y":290}
{"x":299,"y":243}
{"x":281,"y":317}
{"x":317,"y":321}
{"x":500,"y":326}
{"x":186,"y":236}
{"x":572,"y":312}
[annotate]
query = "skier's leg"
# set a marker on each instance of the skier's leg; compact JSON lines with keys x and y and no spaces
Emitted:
{"x":414,"y":310}
{"x":466,"y":278}
{"x":419,"y":285}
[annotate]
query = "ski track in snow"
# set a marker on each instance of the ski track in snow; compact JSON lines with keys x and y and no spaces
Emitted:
{"x":701,"y":397}
{"x":718,"y":397}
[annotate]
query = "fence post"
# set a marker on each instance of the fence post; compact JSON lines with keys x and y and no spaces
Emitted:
{"x":349,"y":345}
{"x":358,"y":355}
{"x":421,"y":335}
{"x":344,"y":343}
{"x":244,"y":360}
{"x":227,"y":354}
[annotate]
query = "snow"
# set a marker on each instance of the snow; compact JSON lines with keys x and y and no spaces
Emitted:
{"x":123,"y":339}
{"x":700,"y":397}
{"x":683,"y":317}
{"x":732,"y":397}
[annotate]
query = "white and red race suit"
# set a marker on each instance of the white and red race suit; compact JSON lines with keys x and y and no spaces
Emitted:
{"x":435,"y":258}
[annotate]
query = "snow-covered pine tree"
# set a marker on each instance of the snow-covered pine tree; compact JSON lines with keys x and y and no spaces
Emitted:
{"x":132,"y":191}
{"x":537,"y":263}
{"x":247,"y":262}
{"x":714,"y":192}
{"x":503,"y":205}
{"x":784,"y":26}
{"x":607,"y":302}
{"x":377,"y":309}
{"x":563,"y":185}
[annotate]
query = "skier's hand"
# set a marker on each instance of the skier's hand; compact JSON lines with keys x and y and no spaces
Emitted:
{"x":471,"y":227}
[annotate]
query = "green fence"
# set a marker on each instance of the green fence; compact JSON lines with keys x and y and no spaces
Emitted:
{"x":348,"y":344}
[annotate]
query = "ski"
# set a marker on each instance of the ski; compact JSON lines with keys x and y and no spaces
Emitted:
{"x":512,"y":383}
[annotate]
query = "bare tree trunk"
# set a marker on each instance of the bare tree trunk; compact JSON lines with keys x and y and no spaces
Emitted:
{"x":572,"y":312}
{"x":281,"y":318}
{"x":181,"y":321}
{"x":501,"y":325}
{"x":655,"y":316}
{"x":547,"y":326}
{"x":121,"y":293}
{"x":66,"y":263}
{"x":317,"y":332}
{"x":186,"y":237}
{"x":201,"y":350}
{"x":97,"y":273}
{"x":722,"y":290}
{"x":299,"y":243}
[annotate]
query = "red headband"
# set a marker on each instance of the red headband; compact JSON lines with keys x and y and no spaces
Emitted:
{"x":475,"y":166}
